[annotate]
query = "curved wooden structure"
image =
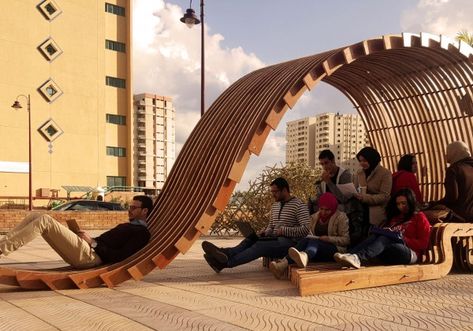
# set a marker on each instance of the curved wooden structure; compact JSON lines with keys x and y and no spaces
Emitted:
{"x":412,"y":91}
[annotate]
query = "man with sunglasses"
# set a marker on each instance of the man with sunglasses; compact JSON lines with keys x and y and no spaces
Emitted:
{"x":289,"y":222}
{"x":80,"y":250}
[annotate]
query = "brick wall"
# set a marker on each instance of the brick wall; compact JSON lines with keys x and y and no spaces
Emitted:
{"x":87,"y":220}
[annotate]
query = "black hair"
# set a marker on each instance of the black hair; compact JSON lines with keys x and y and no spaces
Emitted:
{"x":372,"y":156}
{"x":326,"y":154}
{"x":280,"y":183}
{"x":392,"y":210}
{"x":405,"y":162}
{"x":146,"y":202}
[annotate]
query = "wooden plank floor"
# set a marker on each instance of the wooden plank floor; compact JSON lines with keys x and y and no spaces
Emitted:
{"x":188,"y":295}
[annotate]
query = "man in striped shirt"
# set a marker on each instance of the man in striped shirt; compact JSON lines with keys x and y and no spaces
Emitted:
{"x":289,"y":222}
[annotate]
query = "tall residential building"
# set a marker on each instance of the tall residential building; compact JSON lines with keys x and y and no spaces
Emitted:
{"x":343,"y":134}
{"x":154,"y":140}
{"x":73,"y":58}
{"x":299,"y":137}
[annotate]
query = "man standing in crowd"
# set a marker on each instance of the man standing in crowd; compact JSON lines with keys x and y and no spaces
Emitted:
{"x":335,"y":179}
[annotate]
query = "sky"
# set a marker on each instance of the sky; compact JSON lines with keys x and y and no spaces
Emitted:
{"x":244,"y":35}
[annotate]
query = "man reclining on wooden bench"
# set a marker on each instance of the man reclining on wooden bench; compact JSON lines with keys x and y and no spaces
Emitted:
{"x":80,"y":250}
{"x":401,"y":240}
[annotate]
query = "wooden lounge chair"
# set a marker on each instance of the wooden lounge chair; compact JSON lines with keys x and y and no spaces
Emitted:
{"x":396,"y":82}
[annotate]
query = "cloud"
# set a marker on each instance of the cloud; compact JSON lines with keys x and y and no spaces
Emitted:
{"x":447,"y":17}
{"x":167,"y":61}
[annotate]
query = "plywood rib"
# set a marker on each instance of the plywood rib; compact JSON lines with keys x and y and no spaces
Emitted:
{"x":407,"y":89}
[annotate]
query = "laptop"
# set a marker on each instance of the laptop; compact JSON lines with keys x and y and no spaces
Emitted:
{"x":73,"y":225}
{"x":247,"y":231}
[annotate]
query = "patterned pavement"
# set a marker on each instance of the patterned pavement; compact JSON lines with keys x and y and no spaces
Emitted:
{"x":188,"y":295}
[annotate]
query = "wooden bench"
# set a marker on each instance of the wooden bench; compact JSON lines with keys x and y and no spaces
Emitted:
{"x":449,"y":242}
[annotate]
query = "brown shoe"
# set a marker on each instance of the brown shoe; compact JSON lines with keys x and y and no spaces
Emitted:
{"x":279,"y":268}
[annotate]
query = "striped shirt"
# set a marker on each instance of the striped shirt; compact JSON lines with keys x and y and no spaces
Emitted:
{"x":291,"y":216}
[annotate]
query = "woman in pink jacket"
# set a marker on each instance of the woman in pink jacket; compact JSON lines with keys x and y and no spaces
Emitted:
{"x":401,"y":240}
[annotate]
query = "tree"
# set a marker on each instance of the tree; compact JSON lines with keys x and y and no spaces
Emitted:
{"x":254,"y":205}
{"x":465,"y":36}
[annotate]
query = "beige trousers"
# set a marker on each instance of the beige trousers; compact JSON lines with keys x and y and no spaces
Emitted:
{"x":74,"y":250}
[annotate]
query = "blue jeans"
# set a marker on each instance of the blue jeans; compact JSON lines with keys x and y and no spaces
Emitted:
{"x":249,"y":250}
{"x":317,"y":250}
{"x":384,"y":248}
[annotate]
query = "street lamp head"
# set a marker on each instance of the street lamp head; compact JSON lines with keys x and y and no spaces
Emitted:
{"x":17,"y":105}
{"x":189,"y":18}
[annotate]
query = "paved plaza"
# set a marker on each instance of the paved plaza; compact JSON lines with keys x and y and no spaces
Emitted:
{"x":188,"y":295}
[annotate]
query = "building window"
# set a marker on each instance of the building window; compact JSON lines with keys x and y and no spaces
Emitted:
{"x":116,"y":151}
{"x":115,"y":82}
{"x":115,"y":46}
{"x":116,"y":181}
{"x":49,"y":9}
{"x":114,"y":9}
{"x":50,"y":49}
{"x":116,"y":119}
{"x":50,"y":90}
{"x":50,"y":130}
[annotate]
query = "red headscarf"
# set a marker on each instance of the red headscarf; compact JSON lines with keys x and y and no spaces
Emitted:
{"x":329,"y":201}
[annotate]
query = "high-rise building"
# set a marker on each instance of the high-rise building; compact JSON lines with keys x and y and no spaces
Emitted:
{"x":73,"y":58}
{"x":299,"y":137}
{"x":154,"y":140}
{"x":343,"y":134}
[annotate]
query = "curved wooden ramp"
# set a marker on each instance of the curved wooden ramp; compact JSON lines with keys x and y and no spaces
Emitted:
{"x":415,"y":86}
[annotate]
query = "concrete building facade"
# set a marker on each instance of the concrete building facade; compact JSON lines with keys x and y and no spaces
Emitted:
{"x":343,"y":134}
{"x":154,"y":140}
{"x":300,"y":135}
{"x":74,"y":60}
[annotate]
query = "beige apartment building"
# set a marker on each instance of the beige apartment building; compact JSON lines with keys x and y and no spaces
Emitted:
{"x":154,"y":140}
{"x":300,"y":135}
{"x":73,"y":58}
{"x":343,"y":134}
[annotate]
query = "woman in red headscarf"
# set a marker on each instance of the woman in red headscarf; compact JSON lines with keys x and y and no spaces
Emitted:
{"x":329,"y":235}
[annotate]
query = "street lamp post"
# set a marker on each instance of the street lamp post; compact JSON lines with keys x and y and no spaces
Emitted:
{"x":17,"y":105}
{"x":190,"y":20}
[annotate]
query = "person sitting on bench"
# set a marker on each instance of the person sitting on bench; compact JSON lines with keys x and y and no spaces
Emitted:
{"x":405,"y":176}
{"x":402,"y":239}
{"x":458,"y":184}
{"x":289,"y":222}
{"x":329,"y":234}
{"x":80,"y":250}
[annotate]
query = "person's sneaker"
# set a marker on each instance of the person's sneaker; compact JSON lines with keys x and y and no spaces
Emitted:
{"x":348,"y":260}
{"x":300,"y":258}
{"x":214,"y":264}
{"x":215,"y":252}
{"x":278,"y":268}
